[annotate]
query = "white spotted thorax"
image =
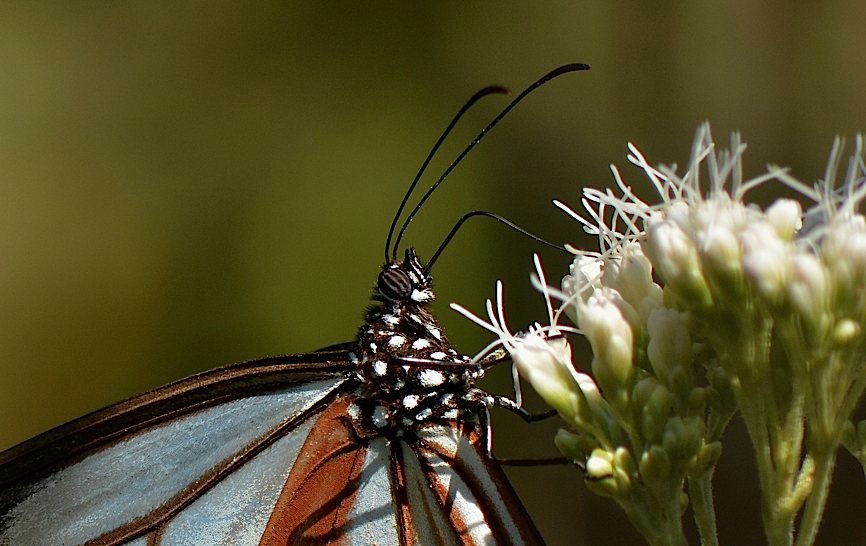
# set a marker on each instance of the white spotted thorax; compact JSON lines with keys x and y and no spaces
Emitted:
{"x":409,"y":375}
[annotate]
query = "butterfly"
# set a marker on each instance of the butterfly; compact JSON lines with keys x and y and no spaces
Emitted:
{"x":383,"y":440}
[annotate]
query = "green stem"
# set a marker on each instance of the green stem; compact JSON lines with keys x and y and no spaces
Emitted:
{"x":814,"y":510}
{"x":701,"y":493}
{"x":661,"y":526}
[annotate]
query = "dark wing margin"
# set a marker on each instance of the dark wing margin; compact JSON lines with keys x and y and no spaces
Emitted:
{"x":126,"y":470}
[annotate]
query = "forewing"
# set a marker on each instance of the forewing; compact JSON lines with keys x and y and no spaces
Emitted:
{"x":200,"y":461}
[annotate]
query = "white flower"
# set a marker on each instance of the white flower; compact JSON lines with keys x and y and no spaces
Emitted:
{"x":786,"y":216}
{"x":610,"y":335}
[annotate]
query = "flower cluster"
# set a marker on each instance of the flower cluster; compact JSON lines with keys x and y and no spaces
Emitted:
{"x":699,"y":307}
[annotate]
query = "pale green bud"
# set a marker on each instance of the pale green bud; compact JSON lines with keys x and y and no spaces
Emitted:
{"x":574,"y":446}
{"x":846,"y":331}
{"x":706,"y":459}
{"x":669,"y":347}
{"x":655,"y":466}
{"x":599,"y":465}
{"x":654,"y":414}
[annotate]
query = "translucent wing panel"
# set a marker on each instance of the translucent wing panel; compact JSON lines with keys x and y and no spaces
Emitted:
{"x":372,"y":518}
{"x":236,"y":510}
{"x":138,"y":474}
{"x":425,"y":518}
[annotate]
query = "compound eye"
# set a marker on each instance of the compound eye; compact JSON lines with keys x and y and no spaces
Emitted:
{"x":395,"y":284}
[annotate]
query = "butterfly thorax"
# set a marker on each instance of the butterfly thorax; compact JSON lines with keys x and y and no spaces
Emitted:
{"x":409,"y":373}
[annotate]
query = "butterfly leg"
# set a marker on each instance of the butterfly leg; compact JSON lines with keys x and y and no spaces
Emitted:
{"x":512,"y":406}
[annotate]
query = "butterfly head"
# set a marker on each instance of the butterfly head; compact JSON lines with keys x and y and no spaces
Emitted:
{"x":405,"y":282}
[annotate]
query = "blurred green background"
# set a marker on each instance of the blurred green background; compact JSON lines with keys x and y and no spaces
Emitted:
{"x":185,"y":185}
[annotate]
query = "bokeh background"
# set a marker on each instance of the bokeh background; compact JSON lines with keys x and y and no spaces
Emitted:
{"x":185,"y":185}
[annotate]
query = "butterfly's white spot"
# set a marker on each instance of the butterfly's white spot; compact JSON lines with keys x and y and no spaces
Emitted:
{"x":390,"y":320}
{"x":399,"y":383}
{"x":379,"y":368}
{"x":374,"y":347}
{"x":447,"y":399}
{"x":423,"y":414}
{"x":451,"y":414}
{"x":421,"y":296}
{"x":434,"y":331}
{"x":431,"y":378}
{"x":396,"y":341}
{"x":438,"y":355}
{"x":406,"y":368}
{"x":353,"y":358}
{"x":354,"y":411}
{"x":410,"y":401}
{"x":380,"y":417}
{"x":420,"y":344}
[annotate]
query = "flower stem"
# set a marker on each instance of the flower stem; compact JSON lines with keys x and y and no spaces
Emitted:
{"x":814,"y":510}
{"x":701,"y":493}
{"x":660,"y":527}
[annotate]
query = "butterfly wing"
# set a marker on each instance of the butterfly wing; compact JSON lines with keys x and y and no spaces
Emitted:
{"x":257,"y":453}
{"x":212,"y":447}
{"x":439,"y":488}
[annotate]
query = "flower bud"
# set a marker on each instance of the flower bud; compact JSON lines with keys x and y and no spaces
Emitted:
{"x":675,"y":258}
{"x":546,"y":364}
{"x":670,"y":345}
{"x":610,"y":336}
{"x":786,"y":217}
{"x":634,"y":281}
{"x":765,"y":260}
{"x":808,"y":290}
{"x":599,"y":465}
{"x":720,"y":252}
{"x":574,"y":446}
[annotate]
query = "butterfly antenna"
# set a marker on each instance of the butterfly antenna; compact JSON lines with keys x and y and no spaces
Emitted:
{"x":493,"y":216}
{"x":573,"y":67}
{"x":489,"y":90}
